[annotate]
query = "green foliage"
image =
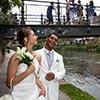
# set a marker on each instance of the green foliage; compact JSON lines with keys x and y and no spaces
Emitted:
{"x":37,"y":47}
{"x":6,"y":5}
{"x":17,"y":3}
{"x":5,"y":19}
{"x":40,"y":44}
{"x":75,"y":93}
{"x":3,"y":44}
{"x":89,"y":46}
{"x":86,"y":47}
{"x":98,"y":48}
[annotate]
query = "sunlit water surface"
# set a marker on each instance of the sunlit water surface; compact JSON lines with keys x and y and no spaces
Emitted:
{"x":83,"y":71}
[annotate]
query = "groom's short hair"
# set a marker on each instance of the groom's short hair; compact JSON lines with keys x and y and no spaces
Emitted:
{"x":51,"y":34}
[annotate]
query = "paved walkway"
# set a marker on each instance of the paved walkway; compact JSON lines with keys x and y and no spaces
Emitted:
{"x":3,"y":71}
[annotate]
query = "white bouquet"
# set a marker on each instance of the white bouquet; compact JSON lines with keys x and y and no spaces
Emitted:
{"x":24,"y":56}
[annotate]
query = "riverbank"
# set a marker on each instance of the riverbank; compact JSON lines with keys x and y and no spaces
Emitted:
{"x":81,"y":74}
{"x":76,"y":93}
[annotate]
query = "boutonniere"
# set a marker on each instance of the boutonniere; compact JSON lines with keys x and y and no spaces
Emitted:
{"x":57,"y":60}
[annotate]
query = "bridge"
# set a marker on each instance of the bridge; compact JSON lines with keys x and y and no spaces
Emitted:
{"x":69,"y":31}
{"x":41,"y":29}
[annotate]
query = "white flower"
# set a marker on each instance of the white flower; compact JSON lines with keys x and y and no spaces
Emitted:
{"x":18,"y":50}
{"x":23,"y":50}
{"x":29,"y":55}
{"x":24,"y":56}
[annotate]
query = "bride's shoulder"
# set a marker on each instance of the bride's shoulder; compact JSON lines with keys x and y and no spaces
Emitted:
{"x":37,"y":56}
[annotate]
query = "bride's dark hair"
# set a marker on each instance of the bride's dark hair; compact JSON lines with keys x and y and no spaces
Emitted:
{"x":21,"y":34}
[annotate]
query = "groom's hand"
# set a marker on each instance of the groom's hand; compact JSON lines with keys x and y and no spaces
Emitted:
{"x":50,"y":76}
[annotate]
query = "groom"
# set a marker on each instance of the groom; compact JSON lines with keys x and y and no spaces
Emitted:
{"x":52,"y":67}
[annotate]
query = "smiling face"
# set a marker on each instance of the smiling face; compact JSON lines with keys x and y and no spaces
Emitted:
{"x":51,"y":41}
{"x":32,"y":38}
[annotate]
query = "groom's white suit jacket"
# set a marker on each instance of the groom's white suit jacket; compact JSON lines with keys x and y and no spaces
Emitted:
{"x":57,"y":68}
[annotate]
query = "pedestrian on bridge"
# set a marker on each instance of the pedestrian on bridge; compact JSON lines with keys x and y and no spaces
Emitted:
{"x":49,"y":13}
{"x":91,"y":12}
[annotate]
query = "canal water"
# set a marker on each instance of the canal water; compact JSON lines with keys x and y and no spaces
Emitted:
{"x":83,"y":71}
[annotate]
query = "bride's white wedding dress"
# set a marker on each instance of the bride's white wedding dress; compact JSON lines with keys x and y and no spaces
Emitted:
{"x":26,"y":89}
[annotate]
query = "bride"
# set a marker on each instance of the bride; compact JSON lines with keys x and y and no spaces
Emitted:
{"x":26,"y":86}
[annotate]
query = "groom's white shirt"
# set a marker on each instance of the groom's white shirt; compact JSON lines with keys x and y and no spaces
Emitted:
{"x":57,"y":68}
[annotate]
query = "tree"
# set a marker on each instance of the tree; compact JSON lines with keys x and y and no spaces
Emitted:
{"x":6,"y":5}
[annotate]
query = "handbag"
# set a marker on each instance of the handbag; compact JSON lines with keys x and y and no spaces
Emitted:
{"x":8,"y":96}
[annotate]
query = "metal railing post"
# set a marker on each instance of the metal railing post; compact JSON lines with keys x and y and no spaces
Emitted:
{"x":64,"y":19}
{"x":58,"y":12}
{"x":87,"y":17}
{"x":22,"y":14}
{"x":41,"y":19}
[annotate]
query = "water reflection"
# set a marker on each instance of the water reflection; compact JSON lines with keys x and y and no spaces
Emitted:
{"x":83,"y":71}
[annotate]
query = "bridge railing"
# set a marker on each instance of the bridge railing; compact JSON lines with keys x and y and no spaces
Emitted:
{"x":35,"y":13}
